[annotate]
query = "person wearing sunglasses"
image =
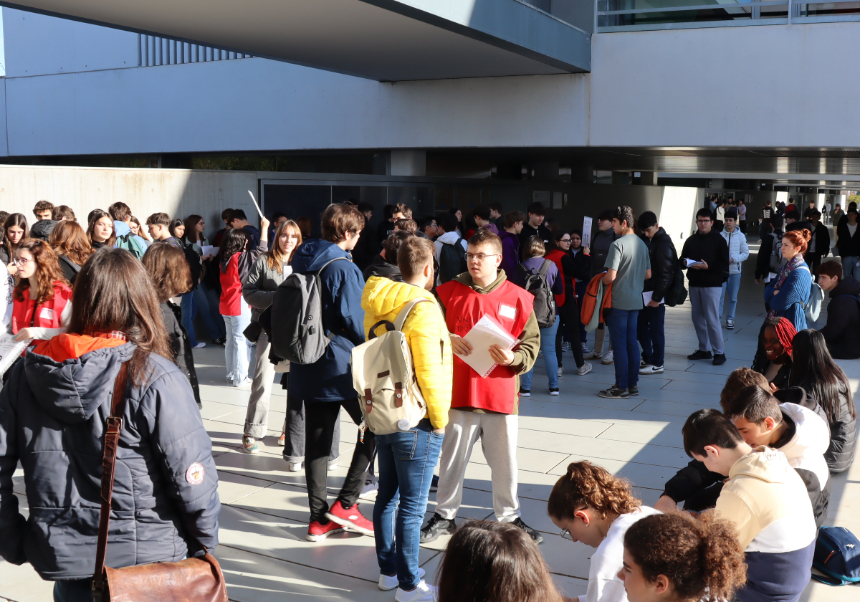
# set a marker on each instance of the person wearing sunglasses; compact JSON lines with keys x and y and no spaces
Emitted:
{"x":590,"y":505}
{"x":42,"y":299}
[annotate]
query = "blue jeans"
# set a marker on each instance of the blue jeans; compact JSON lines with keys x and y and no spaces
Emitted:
{"x":623,"y":325}
{"x":731,"y":285}
{"x":208,"y":300}
{"x":74,"y":591}
{"x":237,"y":351}
{"x":849,"y":267}
{"x":651,"y":334}
{"x":189,"y":310}
{"x":550,"y":360}
{"x":406,"y":463}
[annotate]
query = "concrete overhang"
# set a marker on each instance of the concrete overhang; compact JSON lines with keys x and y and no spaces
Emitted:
{"x":385,"y":40}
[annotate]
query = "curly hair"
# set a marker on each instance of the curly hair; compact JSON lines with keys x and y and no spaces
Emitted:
{"x":588,"y":486}
{"x":47,"y":270}
{"x":701,"y":558}
{"x":799,"y":239}
{"x":69,"y":239}
{"x":169,"y":271}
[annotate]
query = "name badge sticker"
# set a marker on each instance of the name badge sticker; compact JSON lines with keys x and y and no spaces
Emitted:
{"x":46,"y":313}
{"x":507,"y":311}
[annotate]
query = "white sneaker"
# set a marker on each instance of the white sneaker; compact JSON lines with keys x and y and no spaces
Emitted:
{"x":560,"y":370}
{"x":607,"y":359}
{"x":585,"y":348}
{"x":371,"y":487}
{"x":643,"y":364}
{"x":586,"y":368}
{"x":245,"y":383}
{"x":651,"y":370}
{"x":332,"y":465}
{"x":593,"y":355}
{"x":422,"y":593}
{"x":295,"y":466}
{"x":199,"y":345}
{"x":387,"y":583}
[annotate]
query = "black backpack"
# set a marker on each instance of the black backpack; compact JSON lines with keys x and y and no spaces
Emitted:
{"x":677,"y":293}
{"x":537,"y":284}
{"x":452,"y":261}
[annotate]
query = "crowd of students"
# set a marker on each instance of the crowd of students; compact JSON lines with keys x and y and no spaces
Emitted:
{"x":756,"y":491}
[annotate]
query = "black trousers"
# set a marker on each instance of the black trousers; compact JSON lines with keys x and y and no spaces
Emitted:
{"x":320,"y":418}
{"x":569,"y":319}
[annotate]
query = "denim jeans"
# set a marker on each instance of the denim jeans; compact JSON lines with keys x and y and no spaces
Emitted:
{"x":623,"y":326}
{"x":237,"y":351}
{"x":730,"y":287}
{"x":849,"y":267}
{"x":74,"y":591}
{"x":406,"y":463}
{"x":208,"y":300}
{"x":580,"y":297}
{"x":651,"y":334}
{"x":189,"y":310}
{"x":550,"y":360}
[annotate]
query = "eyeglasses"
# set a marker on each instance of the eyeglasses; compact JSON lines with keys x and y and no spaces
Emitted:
{"x":702,"y":221}
{"x":479,"y":256}
{"x":21,"y":261}
{"x":564,"y":240}
{"x":565,"y":534}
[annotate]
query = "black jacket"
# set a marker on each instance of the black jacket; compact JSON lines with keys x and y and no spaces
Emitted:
{"x":843,"y":430}
{"x":600,"y":250}
{"x":713,"y":250}
{"x":843,"y":320}
{"x":42,"y":229}
{"x":849,"y":246}
{"x":384,"y":230}
{"x":70,"y":268}
{"x":366,"y":248}
{"x":178,"y":341}
{"x":821,"y":233}
{"x":380,"y":267}
{"x":664,"y":258}
{"x":581,"y":266}
{"x":762,"y":262}
{"x":541,"y":231}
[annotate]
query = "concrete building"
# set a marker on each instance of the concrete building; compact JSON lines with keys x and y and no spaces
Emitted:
{"x":437,"y":104}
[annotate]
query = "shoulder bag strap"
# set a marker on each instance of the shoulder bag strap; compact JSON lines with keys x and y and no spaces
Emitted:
{"x":404,"y":313}
{"x":112,"y":433}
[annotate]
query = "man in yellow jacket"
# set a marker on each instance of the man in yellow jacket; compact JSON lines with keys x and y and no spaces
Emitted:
{"x":407,"y":458}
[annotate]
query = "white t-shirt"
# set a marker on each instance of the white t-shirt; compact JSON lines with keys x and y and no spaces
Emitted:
{"x":851,"y":229}
{"x":603,"y":582}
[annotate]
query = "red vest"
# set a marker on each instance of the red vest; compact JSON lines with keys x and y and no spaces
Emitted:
{"x":231,"y":288}
{"x":511,"y":307}
{"x":555,"y":256}
{"x":47,"y":313}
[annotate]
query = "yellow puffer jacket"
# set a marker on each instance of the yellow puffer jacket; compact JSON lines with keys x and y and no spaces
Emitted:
{"x":424,"y":329}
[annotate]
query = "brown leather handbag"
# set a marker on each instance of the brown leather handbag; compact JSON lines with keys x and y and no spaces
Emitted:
{"x":190,"y":580}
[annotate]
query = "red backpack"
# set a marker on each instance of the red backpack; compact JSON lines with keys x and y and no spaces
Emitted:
{"x":589,"y":300}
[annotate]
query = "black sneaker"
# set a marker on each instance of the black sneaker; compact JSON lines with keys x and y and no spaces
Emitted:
{"x":537,"y":537}
{"x":719,"y":359}
{"x":633,"y":391}
{"x":525,"y":393}
{"x":434,"y":483}
{"x":435,"y":527}
{"x":700,"y":355}
{"x":614,"y":392}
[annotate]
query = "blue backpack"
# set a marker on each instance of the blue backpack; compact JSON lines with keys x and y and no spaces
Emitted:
{"x":837,"y":556}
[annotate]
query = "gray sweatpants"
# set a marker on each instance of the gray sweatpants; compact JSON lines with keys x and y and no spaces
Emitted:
{"x":257,"y":416}
{"x":706,"y":317}
{"x":498,"y":434}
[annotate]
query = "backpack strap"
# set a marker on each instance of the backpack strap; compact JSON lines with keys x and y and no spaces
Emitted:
{"x":524,"y":271}
{"x":319,"y":271}
{"x":404,"y":313}
{"x":544,"y":268}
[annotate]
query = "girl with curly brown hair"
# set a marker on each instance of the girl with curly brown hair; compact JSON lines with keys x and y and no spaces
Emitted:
{"x":590,"y":505}
{"x":675,"y":558}
{"x":42,"y":299}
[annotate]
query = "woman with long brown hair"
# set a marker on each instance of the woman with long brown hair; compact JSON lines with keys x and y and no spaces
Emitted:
{"x":72,"y":247}
{"x":171,"y":277}
{"x":676,"y":558}
{"x":15,"y":230}
{"x":590,"y":505}
{"x":258,"y":290}
{"x":100,"y":229}
{"x":203,"y":298}
{"x":42,"y":298}
{"x":494,"y":562}
{"x":53,"y":411}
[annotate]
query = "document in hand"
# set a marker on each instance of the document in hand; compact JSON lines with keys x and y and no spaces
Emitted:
{"x":692,"y":262}
{"x":10,"y":350}
{"x":210,"y":251}
{"x":484,"y":333}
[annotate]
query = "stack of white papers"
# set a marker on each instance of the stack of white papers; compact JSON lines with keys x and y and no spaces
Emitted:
{"x":10,"y":350}
{"x":484,"y":333}
{"x":692,"y":262}
{"x":210,"y":251}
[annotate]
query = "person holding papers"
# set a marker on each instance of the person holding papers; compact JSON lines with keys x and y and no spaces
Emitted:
{"x":705,"y":256}
{"x":484,"y":407}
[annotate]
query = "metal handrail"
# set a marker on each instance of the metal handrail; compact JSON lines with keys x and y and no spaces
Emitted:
{"x":670,"y":9}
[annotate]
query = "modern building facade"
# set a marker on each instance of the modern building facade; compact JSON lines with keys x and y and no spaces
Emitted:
{"x":580,"y":104}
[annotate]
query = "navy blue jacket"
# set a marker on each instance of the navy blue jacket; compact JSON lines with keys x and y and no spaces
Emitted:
{"x":52,"y":419}
{"x":330,"y":377}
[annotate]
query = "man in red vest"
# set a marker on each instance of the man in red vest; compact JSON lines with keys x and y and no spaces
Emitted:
{"x":484,"y":408}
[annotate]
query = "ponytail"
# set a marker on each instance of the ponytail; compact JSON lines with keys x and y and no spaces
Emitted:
{"x":699,"y":557}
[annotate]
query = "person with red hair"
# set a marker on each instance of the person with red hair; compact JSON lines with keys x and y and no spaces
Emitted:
{"x":773,"y":357}
{"x":787,"y":294}
{"x":42,"y":299}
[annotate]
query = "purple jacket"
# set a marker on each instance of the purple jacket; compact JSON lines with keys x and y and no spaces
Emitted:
{"x":510,"y":252}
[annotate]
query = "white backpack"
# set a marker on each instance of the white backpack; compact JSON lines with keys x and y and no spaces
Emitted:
{"x":383,"y":376}
{"x":812,"y":308}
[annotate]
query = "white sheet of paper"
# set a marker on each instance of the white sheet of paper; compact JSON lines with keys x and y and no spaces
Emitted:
{"x":692,"y":262}
{"x":255,"y":203}
{"x":586,"y":232}
{"x":210,"y":251}
{"x":646,"y":297}
{"x":10,"y":350}
{"x":484,"y":333}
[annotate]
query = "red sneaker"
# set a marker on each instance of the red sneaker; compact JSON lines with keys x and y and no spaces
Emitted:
{"x":318,"y":531}
{"x":352,"y":519}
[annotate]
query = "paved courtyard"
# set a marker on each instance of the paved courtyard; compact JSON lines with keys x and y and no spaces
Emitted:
{"x":264,"y":517}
